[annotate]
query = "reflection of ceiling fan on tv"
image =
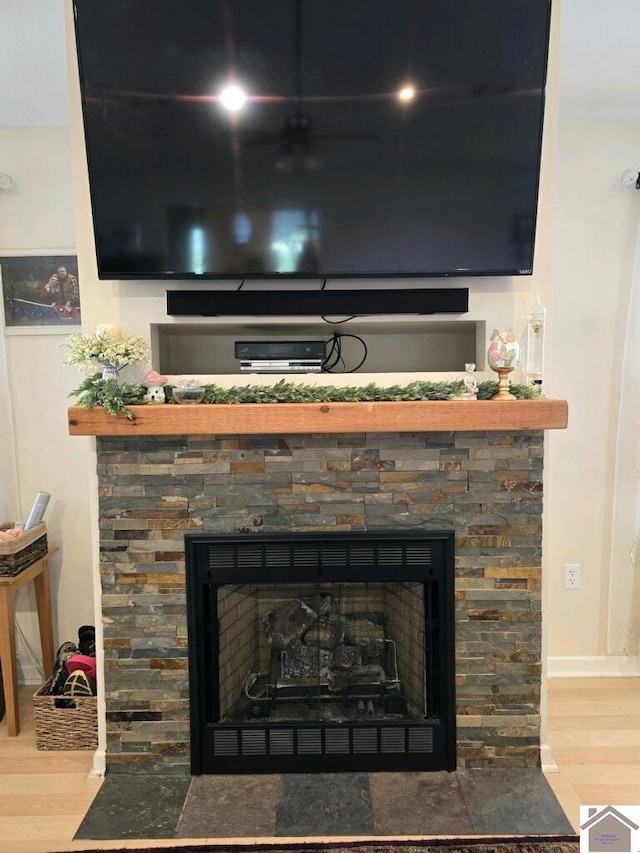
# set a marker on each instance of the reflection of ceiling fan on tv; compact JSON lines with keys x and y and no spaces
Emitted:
{"x":298,"y":142}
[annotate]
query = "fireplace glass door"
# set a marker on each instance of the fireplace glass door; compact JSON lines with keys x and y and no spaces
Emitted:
{"x":321,"y":652}
{"x":324,"y":653}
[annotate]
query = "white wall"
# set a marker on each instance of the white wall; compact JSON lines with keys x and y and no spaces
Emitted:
{"x":586,"y":233}
{"x":38,"y":210}
{"x":8,"y":474}
{"x":36,"y":452}
{"x":597,"y":222}
{"x":586,"y":229}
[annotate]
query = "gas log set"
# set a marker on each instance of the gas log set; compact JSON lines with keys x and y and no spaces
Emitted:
{"x":346,"y":661}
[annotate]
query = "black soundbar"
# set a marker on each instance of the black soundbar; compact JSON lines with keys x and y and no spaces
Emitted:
{"x":212,"y":303}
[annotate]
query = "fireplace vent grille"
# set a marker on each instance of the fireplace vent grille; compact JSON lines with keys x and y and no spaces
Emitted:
{"x":309,"y":742}
{"x":281,"y":742}
{"x":336,"y":741}
{"x":370,"y":740}
{"x":254,"y":742}
{"x":365,"y":740}
{"x":225,"y":742}
{"x":392,"y":740}
{"x":278,"y":555}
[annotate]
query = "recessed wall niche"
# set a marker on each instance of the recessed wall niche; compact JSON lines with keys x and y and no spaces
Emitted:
{"x":414,"y":346}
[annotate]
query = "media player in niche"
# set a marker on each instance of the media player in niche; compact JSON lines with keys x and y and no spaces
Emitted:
{"x":280,"y":356}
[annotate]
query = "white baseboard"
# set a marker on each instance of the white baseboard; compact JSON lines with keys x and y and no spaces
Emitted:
{"x":99,"y":767}
{"x":585,"y":667}
{"x":28,"y":673}
{"x":547,"y":762}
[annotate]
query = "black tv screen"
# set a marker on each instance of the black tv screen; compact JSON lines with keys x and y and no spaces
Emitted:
{"x":313,"y":138}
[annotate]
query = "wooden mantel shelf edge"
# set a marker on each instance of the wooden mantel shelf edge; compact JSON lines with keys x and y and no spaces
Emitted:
{"x":289,"y":418}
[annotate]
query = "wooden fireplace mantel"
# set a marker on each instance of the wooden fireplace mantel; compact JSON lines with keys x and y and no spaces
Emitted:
{"x":287,"y":418}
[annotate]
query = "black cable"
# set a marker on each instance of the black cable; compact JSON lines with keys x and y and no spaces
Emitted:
{"x":240,"y":286}
{"x":338,"y":322}
{"x":334,"y":356}
{"x":365,"y":352}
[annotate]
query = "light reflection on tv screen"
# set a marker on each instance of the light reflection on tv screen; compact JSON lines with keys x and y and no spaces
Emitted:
{"x":313,"y":138}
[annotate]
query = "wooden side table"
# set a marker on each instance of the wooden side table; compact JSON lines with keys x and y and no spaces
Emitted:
{"x":37,"y":572}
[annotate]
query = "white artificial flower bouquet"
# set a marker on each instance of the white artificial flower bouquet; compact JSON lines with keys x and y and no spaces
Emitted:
{"x":108,"y":347}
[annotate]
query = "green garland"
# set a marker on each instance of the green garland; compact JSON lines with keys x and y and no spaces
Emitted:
{"x":114,"y":399}
{"x":290,"y":392}
{"x":111,"y":396}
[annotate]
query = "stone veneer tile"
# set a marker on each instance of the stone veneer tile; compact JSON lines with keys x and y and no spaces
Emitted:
{"x":484,"y":485}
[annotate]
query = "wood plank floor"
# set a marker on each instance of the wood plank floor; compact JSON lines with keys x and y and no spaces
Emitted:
{"x":43,"y":795}
{"x":594,"y":733}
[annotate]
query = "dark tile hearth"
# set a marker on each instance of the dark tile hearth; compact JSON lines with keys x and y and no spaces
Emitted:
{"x":483,"y":802}
{"x":135,"y":807}
{"x":230,"y":807}
{"x":418,"y":804}
{"x":325,"y":804}
{"x":516,"y":802}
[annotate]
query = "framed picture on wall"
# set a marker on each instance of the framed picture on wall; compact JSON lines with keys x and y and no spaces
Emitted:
{"x":40,"y":290}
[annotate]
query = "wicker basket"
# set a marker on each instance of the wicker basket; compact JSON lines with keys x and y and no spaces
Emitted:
{"x":65,"y":722}
{"x":21,"y":552}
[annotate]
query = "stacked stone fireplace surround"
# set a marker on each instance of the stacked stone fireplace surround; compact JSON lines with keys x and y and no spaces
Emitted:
{"x":487,"y":486}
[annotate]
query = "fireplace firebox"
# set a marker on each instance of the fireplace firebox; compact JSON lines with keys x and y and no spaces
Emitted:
{"x":323,"y":652}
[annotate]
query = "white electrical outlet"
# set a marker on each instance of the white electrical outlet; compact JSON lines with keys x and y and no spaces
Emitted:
{"x":572,"y":575}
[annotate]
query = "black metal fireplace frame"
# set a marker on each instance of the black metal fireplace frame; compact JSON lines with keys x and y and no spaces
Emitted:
{"x":428,"y":744}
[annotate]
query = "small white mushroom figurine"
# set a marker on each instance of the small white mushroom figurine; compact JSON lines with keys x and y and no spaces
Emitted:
{"x":153,"y":382}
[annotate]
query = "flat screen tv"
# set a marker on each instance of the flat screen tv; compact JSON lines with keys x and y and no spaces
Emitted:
{"x":292,"y":139}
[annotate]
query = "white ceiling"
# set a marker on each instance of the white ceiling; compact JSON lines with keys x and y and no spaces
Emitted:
{"x":599,"y":67}
{"x":33,"y":76}
{"x":599,"y":61}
